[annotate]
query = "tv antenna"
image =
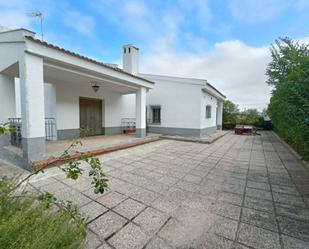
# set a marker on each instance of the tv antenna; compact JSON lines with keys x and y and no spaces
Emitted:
{"x":39,"y":15}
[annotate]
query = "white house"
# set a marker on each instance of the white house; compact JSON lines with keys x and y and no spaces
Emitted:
{"x":31,"y":69}
{"x":51,"y":92}
{"x":178,"y":106}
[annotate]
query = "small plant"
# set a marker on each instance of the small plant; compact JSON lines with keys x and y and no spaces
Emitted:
{"x":33,"y":221}
{"x":73,"y":169}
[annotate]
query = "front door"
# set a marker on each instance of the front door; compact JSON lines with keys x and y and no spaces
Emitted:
{"x":90,"y":113}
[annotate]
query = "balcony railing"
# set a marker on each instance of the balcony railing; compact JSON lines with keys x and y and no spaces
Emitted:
{"x":16,"y":127}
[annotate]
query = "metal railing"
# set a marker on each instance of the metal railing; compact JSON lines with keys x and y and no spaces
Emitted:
{"x":128,"y":123}
{"x":50,"y":129}
{"x":16,"y":127}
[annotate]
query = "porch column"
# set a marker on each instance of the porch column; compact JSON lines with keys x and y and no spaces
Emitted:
{"x":32,"y":108}
{"x":141,"y":112}
{"x":7,"y":98}
{"x":219,"y":115}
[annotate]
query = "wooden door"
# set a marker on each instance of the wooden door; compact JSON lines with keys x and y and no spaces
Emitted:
{"x":90,"y":113}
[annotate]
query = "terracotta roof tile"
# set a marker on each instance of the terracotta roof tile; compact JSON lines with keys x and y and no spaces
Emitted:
{"x":211,"y":86}
{"x":83,"y":57}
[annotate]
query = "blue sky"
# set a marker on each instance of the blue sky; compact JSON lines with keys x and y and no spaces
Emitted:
{"x":224,"y":41}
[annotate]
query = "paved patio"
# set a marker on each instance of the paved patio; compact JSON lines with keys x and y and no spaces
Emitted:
{"x":238,"y":192}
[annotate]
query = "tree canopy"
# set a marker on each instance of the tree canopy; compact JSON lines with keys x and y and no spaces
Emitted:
{"x":288,"y":73}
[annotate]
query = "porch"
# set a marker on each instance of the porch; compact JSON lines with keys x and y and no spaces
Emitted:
{"x":50,"y":93}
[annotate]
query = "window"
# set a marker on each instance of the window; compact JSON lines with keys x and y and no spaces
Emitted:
{"x":208,"y":111}
{"x":156,"y":114}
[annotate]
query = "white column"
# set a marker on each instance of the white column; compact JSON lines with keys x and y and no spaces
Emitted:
{"x":220,"y":115}
{"x":7,"y":98}
{"x":7,"y":104}
{"x":141,"y":112}
{"x":32,"y":107}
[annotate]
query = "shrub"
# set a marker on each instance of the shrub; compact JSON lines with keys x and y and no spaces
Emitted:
{"x":32,"y":221}
{"x":288,"y":73}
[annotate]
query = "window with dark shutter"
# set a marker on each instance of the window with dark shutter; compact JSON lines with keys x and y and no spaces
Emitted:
{"x":156,"y":115}
{"x":208,"y":111}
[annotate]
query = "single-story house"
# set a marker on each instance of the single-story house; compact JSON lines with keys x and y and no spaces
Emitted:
{"x":178,"y":106}
{"x":50,"y":93}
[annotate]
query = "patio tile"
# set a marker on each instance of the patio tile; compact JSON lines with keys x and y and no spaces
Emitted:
{"x":289,"y":199}
{"x":230,"y":198}
{"x":176,"y":234}
{"x":257,"y":193}
{"x":295,"y":228}
{"x":92,"y":240}
{"x":224,"y":227}
{"x":107,"y":224}
{"x":112,"y":199}
{"x":92,"y":210}
{"x":165,"y":204}
{"x":258,"y":238}
{"x":145,"y":196}
{"x":90,"y":194}
{"x":129,"y":208}
{"x":103,"y":246}
{"x":293,"y":243}
{"x":214,"y":241}
{"x":157,"y":243}
{"x":240,"y":246}
{"x":284,"y":189}
{"x":192,"y":179}
{"x":258,"y":185}
{"x":73,"y":196}
{"x":261,"y":219}
{"x":227,"y":210}
{"x":151,"y":220}
{"x":292,"y":211}
{"x":158,"y":187}
{"x":259,"y":204}
{"x":129,"y":237}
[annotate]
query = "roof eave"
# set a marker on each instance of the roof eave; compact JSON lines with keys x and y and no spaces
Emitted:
{"x":68,"y":52}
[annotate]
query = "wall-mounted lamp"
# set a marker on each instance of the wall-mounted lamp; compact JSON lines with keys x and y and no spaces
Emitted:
{"x":95,"y":87}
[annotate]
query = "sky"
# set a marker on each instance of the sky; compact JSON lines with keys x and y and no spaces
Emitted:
{"x":224,"y":41}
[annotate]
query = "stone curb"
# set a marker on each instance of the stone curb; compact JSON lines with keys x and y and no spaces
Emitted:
{"x":291,"y":149}
{"x":58,"y":161}
{"x":192,"y":140}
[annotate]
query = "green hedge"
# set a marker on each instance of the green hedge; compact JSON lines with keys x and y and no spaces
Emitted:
{"x":288,"y":73}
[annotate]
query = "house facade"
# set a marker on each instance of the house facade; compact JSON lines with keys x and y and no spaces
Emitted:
{"x":50,"y":93}
{"x":176,"y":105}
{"x":45,"y":88}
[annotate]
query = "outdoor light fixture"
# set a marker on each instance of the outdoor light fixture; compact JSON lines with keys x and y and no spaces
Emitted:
{"x":95,"y":87}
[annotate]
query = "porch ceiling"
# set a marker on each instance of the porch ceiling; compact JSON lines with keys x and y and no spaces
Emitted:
{"x":63,"y":74}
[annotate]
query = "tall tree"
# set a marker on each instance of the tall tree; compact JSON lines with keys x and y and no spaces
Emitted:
{"x":288,"y":73}
{"x":230,"y":112}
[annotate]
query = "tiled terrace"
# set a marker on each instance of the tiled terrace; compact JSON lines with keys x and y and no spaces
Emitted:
{"x":238,"y":192}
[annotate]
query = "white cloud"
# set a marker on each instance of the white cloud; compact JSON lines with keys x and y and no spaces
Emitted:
{"x":14,"y":19}
{"x":233,"y":67}
{"x":80,"y":22}
{"x":13,"y":14}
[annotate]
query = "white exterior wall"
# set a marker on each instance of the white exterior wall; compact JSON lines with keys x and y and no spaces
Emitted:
{"x":7,"y":98}
{"x":129,"y":102}
{"x":207,"y":99}
{"x":115,"y":105}
{"x":180,"y":103}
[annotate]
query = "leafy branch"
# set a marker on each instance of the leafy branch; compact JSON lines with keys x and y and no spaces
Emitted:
{"x":73,"y":169}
